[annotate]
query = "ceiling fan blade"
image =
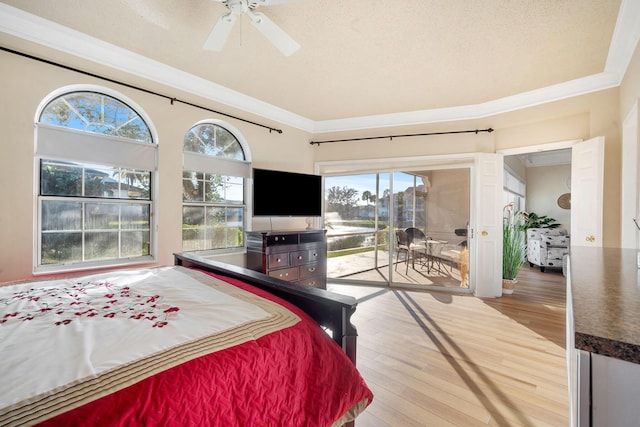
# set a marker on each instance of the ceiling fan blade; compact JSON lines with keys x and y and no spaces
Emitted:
{"x":273,"y":33}
{"x":220,"y":32}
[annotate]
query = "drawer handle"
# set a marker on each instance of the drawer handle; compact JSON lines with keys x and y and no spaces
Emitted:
{"x":315,"y":254}
{"x":312,"y":269}
{"x":300,"y":257}
{"x":278,"y":260}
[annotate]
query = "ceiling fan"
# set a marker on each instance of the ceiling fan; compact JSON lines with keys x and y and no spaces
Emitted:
{"x":266,"y":26}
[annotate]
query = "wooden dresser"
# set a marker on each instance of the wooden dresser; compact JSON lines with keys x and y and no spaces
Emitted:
{"x":295,"y":256}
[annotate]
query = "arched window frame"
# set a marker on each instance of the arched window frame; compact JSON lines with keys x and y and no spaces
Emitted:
{"x":84,"y":150}
{"x":199,"y":163}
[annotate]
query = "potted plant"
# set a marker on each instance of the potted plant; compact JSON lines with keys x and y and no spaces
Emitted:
{"x":533,"y":220}
{"x":513,"y":246}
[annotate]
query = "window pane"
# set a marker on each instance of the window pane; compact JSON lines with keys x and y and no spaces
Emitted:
{"x":193,"y":239}
{"x":213,"y":140}
{"x":133,"y":184}
{"x":228,"y":144}
{"x":61,"y":247}
{"x":135,"y":216}
{"x":193,"y":215}
{"x":99,"y":216}
{"x":193,"y":229}
{"x":101,"y":245}
{"x":135,"y":243}
{"x":224,"y":189}
{"x":192,"y":187}
{"x":98,"y":182}
{"x":225,"y":227}
{"x":234,"y":190}
{"x":214,"y":188}
{"x":61,"y":215}
{"x":96,"y":113}
{"x":60,"y":180}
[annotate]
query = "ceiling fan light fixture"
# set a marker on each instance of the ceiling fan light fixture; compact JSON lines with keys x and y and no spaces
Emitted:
{"x":237,"y":7}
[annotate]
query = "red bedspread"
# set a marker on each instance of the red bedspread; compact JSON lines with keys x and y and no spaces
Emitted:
{"x":295,"y":377}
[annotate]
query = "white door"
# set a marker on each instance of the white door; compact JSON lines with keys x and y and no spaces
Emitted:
{"x":587,"y":171}
{"x":486,"y":234}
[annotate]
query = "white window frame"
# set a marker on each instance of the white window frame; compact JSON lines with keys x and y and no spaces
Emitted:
{"x":73,"y":145}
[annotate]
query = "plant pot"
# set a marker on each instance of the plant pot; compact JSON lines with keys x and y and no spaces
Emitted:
{"x":508,"y":285}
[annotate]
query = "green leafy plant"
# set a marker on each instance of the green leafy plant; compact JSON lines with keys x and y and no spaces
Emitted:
{"x":513,"y":241}
{"x":533,"y":220}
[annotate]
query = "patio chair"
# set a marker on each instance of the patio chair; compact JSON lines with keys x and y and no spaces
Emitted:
{"x":418,"y":246}
{"x":415,"y":234}
{"x":403,"y":247}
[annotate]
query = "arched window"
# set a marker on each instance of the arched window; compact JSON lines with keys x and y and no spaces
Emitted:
{"x":96,"y":163}
{"x":216,"y":165}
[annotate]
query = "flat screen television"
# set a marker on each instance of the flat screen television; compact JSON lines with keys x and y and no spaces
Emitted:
{"x":280,"y":193}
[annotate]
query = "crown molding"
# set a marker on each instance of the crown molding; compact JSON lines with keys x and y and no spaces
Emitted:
{"x":545,"y":95}
{"x":19,"y":23}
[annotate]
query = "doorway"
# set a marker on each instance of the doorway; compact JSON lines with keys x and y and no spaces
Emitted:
{"x":540,"y":182}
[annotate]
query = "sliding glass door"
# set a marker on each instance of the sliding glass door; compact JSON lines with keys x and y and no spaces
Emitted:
{"x":357,"y":223}
{"x":368,"y":216}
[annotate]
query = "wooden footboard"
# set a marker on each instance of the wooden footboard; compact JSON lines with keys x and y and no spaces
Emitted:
{"x":332,"y":311}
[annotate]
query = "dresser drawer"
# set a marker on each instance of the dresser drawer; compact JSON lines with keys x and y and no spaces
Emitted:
{"x":309,"y":270}
{"x":305,"y":257}
{"x":278,"y":260}
{"x":282,"y":239}
{"x":314,"y":282}
{"x":299,"y":257}
{"x":289,"y":274}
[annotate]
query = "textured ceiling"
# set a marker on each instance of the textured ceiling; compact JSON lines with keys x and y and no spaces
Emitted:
{"x":362,"y":57}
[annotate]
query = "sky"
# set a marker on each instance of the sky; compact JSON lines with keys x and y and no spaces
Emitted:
{"x":367,"y":182}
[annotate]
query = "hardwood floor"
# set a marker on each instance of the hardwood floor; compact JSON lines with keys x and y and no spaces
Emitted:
{"x":441,"y":359}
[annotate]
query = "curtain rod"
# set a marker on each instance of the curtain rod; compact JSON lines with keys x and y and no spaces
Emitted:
{"x":402,"y":136}
{"x":170,"y":98}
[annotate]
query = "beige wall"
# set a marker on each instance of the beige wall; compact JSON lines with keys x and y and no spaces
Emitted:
{"x":544,"y":185}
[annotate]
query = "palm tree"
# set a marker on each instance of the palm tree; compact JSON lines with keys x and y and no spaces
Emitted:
{"x":366,"y":196}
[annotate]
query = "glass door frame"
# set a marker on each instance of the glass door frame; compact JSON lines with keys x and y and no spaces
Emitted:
{"x":406,"y":165}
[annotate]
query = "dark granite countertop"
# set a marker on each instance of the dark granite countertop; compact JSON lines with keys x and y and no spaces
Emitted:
{"x":605,"y":287}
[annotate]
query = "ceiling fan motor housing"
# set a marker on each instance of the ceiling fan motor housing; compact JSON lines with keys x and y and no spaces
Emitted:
{"x":237,"y":7}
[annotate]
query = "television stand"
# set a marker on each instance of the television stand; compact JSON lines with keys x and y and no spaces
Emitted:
{"x":298,"y":256}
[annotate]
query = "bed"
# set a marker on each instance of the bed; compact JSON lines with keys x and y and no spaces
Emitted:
{"x":199,"y":343}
